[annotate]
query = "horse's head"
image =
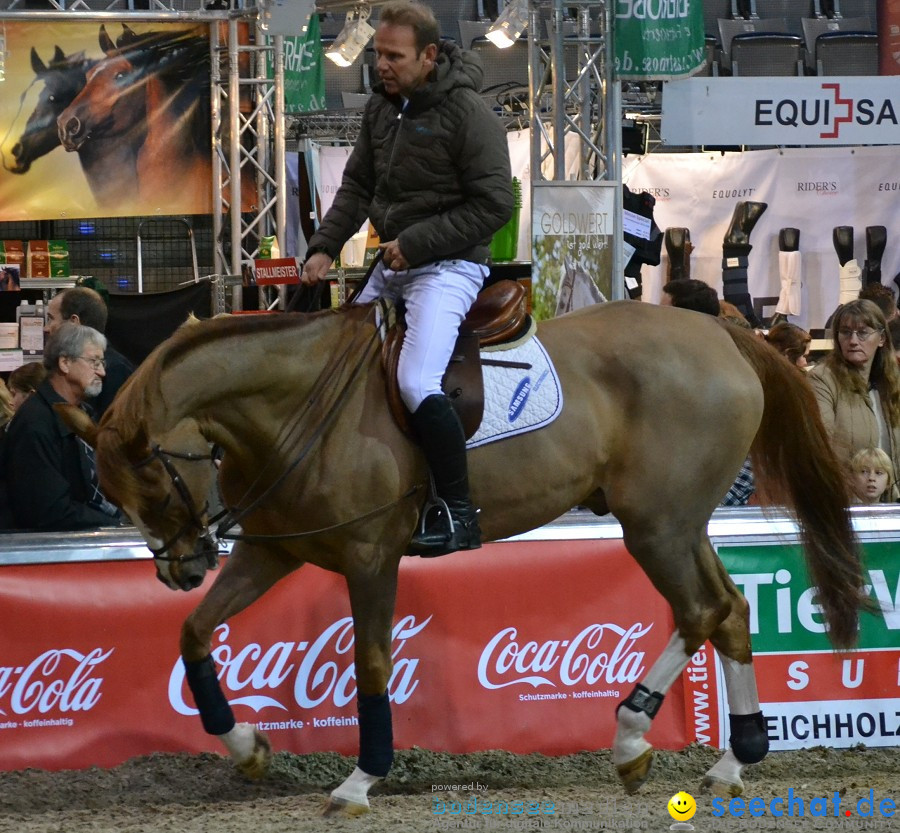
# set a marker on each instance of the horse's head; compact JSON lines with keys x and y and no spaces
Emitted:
{"x":161,"y":483}
{"x":112,"y":101}
{"x":63,"y":78}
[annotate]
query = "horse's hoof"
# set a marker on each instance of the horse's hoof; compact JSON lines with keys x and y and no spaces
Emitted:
{"x":635,"y":772}
{"x":721,"y":788}
{"x":342,"y":807}
{"x":256,"y":765}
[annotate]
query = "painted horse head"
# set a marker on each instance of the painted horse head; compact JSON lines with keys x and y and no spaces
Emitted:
{"x":113,"y":100}
{"x":64,"y":77}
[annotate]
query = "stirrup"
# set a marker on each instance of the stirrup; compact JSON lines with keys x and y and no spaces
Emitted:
{"x":434,"y":501}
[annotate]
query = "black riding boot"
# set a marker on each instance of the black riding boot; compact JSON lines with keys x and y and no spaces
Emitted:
{"x":442,"y":439}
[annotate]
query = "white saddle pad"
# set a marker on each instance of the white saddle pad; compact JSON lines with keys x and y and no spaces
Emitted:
{"x":518,"y":399}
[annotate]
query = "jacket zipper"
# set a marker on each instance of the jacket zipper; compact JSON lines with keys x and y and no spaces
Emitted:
{"x":391,"y":165}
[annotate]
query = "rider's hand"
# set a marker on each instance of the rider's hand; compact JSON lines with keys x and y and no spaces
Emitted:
{"x":315,"y":268}
{"x":393,"y":257}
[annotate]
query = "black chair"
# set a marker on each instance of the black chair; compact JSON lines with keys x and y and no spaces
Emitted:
{"x":730,"y":29}
{"x":815,"y":26}
{"x":770,"y":54}
{"x":847,"y":53}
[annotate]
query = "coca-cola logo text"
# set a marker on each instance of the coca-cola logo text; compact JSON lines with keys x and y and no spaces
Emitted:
{"x":313,"y":680}
{"x":598,"y":654}
{"x":57,"y":679}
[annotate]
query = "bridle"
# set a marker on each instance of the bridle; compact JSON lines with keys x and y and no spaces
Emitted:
{"x":195,"y":517}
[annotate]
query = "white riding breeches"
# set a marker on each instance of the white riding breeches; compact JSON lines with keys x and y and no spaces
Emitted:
{"x":437,"y":298}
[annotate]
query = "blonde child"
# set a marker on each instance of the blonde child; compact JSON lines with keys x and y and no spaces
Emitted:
{"x":871,"y":476}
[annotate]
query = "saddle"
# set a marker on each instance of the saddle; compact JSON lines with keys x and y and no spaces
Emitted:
{"x":497,"y":316}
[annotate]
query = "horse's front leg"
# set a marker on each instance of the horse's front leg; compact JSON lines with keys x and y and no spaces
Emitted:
{"x":249,"y":572}
{"x":372,"y":602}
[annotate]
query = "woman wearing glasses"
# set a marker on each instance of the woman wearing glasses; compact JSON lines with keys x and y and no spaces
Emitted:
{"x":49,"y":472}
{"x":858,"y":384}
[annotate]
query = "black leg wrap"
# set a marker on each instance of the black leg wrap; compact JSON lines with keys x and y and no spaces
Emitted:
{"x":376,"y":735}
{"x":749,"y":740}
{"x":643,"y":700}
{"x":203,"y":681}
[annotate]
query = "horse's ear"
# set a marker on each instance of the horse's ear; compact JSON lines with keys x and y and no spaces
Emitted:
{"x":78,"y":421}
{"x":59,"y":57}
{"x":36,"y":63}
{"x":106,"y":43}
{"x":127,"y":37}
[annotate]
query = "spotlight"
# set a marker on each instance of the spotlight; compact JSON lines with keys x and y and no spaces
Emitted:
{"x":505,"y":30}
{"x":353,"y":38}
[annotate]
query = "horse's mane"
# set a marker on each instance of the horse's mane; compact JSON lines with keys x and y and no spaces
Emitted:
{"x":123,"y":431}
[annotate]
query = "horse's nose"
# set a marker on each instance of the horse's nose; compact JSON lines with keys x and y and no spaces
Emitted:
{"x":17,"y":150}
{"x":68,"y":130}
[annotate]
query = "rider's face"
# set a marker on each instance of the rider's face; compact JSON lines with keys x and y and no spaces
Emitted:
{"x":401,"y":66}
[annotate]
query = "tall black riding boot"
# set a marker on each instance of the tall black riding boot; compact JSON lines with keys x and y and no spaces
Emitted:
{"x":735,"y":253}
{"x":442,"y":439}
{"x":678,"y":248}
{"x":876,"y":240}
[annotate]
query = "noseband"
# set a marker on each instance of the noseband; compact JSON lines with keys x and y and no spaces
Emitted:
{"x":195,"y":520}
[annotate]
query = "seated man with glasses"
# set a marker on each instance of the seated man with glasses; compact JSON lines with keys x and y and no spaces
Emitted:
{"x":49,"y":473}
{"x":857,"y":385}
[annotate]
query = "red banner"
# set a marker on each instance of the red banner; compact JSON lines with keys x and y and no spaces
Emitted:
{"x":525,"y":646}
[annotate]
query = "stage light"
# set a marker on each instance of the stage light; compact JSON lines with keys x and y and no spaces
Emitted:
{"x":3,"y":53}
{"x":353,"y":38}
{"x":509,"y":25}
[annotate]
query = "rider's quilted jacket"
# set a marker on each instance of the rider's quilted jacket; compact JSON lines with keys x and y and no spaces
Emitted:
{"x":435,"y":174}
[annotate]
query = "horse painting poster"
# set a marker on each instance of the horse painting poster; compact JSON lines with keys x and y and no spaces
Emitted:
{"x":105,"y":120}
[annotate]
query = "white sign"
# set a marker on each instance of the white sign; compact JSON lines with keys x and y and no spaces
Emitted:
{"x":782,"y":111}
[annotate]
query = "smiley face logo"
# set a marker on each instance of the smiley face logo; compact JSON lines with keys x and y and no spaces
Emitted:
{"x":682,"y":806}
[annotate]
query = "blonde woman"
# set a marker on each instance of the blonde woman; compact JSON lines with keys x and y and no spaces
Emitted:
{"x":857,"y":385}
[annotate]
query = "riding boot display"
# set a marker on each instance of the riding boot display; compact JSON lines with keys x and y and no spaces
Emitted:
{"x":444,"y":444}
{"x":789,"y":269}
{"x":735,"y":253}
{"x":850,"y":274}
{"x":876,"y":240}
{"x":679,"y":248}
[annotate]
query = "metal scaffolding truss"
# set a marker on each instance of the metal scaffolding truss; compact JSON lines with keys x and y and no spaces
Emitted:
{"x":247,"y":111}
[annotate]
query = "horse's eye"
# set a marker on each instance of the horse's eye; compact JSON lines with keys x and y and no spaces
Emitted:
{"x":51,"y":99}
{"x":120,"y":76}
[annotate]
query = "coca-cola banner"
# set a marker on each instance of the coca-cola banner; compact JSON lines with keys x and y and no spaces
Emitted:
{"x":526,"y":646}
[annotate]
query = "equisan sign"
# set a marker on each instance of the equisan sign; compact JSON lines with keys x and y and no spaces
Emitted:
{"x":782,"y":111}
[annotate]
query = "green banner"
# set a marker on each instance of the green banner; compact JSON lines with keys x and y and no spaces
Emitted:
{"x":304,"y":78}
{"x":658,"y":40}
{"x":784,"y":613}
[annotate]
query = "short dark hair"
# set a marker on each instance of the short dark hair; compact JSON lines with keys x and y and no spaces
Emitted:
{"x":27,"y":377}
{"x":87,"y":304}
{"x":415,"y":15}
{"x":880,"y":294}
{"x":693,"y":294}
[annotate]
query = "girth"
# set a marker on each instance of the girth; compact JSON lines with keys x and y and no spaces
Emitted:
{"x":498,"y":315}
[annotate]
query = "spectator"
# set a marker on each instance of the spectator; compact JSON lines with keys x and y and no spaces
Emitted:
{"x":881,"y":295}
{"x":857,"y":385}
{"x":871,"y":476}
{"x":691,"y":294}
{"x":82,"y":305}
{"x":24,"y":381}
{"x":6,"y":405}
{"x":791,"y":341}
{"x":49,"y":471}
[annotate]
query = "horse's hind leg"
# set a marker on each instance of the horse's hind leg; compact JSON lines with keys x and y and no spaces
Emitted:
{"x":748,"y":741}
{"x":683,"y":568}
{"x":372,"y":602}
{"x":249,"y":571}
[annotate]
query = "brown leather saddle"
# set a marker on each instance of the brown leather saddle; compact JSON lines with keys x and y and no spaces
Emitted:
{"x":498,"y":315}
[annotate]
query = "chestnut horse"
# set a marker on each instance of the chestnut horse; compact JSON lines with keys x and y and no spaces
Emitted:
{"x":151,"y":95}
{"x":661,"y":408}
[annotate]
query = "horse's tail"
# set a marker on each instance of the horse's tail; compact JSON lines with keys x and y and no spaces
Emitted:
{"x":794,"y":466}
